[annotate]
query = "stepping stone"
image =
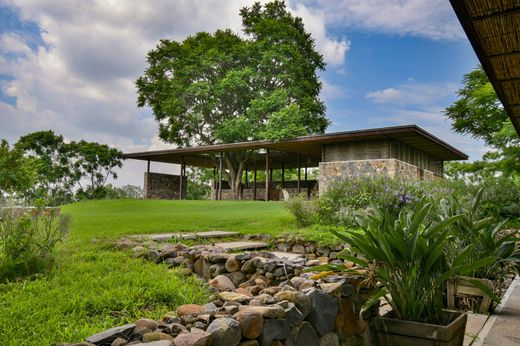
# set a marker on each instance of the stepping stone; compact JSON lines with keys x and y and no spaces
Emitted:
{"x":188,"y":236}
{"x":241,"y":245}
{"x":286,"y":255}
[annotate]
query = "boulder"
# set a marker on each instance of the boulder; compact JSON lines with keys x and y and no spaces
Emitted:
{"x":293,"y":315}
{"x":155,"y":336}
{"x":153,"y":255}
{"x":330,"y":339}
{"x":298,"y":248}
{"x":196,"y":337}
{"x":302,"y":302}
{"x":304,"y":335}
{"x":234,"y":297}
{"x":249,"y":266}
{"x":190,"y":309}
{"x":119,"y":342}
{"x":232,"y":264}
{"x":109,"y":335}
{"x":155,"y":343}
{"x":146,"y":322}
{"x":244,"y":292}
{"x":237,"y":277}
{"x":222,"y":283}
{"x":218,"y":257}
{"x":251,"y":323}
{"x":274,"y":330}
{"x":272,"y":311}
{"x":169,"y":251}
{"x":177,"y":328}
{"x":249,"y":343}
{"x":224,"y":332}
{"x":217,"y":269}
{"x":324,"y":311}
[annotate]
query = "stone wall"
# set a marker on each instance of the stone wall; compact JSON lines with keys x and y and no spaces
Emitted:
{"x":163,"y":186}
{"x":331,"y":172}
{"x":255,"y":299}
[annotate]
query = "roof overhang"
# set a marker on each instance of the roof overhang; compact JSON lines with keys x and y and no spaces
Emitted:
{"x":308,"y":148}
{"x":493,"y":28}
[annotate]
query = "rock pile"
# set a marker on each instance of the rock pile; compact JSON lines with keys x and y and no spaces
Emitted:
{"x":298,"y":311}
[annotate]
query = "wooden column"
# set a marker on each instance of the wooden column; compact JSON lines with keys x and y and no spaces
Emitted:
{"x":254,"y":182}
{"x":148,"y":167}
{"x":267,"y":175}
{"x":220,"y":178}
{"x":247,"y":180}
{"x":283,"y":174}
{"x":181,"y":177}
{"x":307,"y":184}
{"x":299,"y":172}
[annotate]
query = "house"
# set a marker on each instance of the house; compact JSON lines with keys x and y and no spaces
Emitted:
{"x":406,"y":151}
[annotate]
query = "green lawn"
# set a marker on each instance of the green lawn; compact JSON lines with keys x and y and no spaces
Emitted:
{"x":94,"y":287}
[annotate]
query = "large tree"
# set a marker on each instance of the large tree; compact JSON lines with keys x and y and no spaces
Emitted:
{"x":222,"y":88}
{"x":17,"y":172}
{"x":479,"y":112}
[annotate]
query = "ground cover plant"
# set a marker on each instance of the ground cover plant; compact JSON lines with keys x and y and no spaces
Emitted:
{"x":94,"y":287}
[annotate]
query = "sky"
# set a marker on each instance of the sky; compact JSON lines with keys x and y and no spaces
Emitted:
{"x":70,"y":66}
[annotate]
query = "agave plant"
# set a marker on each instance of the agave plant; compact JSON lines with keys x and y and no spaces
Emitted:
{"x":406,"y":255}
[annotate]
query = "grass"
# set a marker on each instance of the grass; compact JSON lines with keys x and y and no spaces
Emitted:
{"x":93,"y":287}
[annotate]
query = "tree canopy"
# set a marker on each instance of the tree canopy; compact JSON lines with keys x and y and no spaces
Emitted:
{"x":479,"y":112}
{"x":222,"y":88}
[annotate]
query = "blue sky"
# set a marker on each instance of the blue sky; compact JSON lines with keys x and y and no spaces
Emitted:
{"x":70,"y":66}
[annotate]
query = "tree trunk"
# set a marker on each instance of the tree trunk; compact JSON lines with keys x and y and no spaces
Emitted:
{"x":235,"y":163}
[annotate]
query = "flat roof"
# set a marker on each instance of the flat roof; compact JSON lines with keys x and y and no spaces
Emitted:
{"x":309,"y":147}
{"x":493,"y":28}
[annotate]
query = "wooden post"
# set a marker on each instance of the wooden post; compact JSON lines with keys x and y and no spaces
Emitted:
{"x":283,"y":174}
{"x":299,"y":172}
{"x":247,"y":180}
{"x":254,"y":183}
{"x":307,"y":184}
{"x":220,"y":178}
{"x":148,"y":168}
{"x":267,"y":175}
{"x":181,"y":177}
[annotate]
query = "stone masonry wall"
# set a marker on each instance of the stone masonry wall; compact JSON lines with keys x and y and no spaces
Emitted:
{"x":163,"y":186}
{"x":335,"y":171}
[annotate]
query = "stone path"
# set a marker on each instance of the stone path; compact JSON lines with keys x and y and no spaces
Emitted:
{"x":188,"y":236}
{"x":242,"y":245}
{"x":503,"y":328}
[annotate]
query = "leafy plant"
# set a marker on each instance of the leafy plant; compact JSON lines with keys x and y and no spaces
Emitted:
{"x":304,"y":210}
{"x":27,"y":241}
{"x":406,"y":256}
{"x":484,"y":236}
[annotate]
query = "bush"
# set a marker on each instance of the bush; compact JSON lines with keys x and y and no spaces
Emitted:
{"x":344,"y":200}
{"x":304,"y":210}
{"x":27,"y":240}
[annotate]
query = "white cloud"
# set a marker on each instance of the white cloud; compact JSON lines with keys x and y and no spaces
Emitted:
{"x":80,"y":81}
{"x":433,"y":19}
{"x":413,"y":93}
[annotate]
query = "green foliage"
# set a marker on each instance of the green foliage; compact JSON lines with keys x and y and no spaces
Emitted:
{"x":93,"y":287}
{"x":405,"y":254}
{"x":27,"y":241}
{"x":222,"y":88}
{"x":63,"y":167}
{"x":17,"y":173}
{"x":303,"y":209}
{"x":199,"y":183}
{"x":481,"y":237}
{"x":479,"y":112}
{"x":345,"y":199}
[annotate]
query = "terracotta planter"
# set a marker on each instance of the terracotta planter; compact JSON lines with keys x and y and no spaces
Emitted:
{"x":392,"y":332}
{"x":462,"y":286}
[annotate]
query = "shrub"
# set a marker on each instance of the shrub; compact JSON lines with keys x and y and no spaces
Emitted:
{"x":304,"y":210}
{"x":27,"y":240}
{"x":345,"y":199}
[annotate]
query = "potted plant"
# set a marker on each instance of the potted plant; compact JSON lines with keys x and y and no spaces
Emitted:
{"x":478,"y":237}
{"x":405,"y":254}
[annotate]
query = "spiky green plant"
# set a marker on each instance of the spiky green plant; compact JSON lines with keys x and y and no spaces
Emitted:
{"x":406,"y":255}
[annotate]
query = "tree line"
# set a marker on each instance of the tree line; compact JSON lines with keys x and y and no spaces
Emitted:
{"x":43,"y":166}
